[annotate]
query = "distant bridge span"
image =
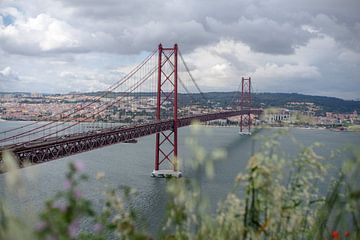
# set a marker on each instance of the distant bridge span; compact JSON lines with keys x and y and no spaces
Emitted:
{"x":58,"y":147}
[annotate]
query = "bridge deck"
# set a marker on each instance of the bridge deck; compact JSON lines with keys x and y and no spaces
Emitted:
{"x":53,"y":148}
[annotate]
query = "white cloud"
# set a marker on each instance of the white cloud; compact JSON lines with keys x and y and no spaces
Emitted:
{"x":263,"y":34}
{"x":6,"y":71}
{"x":41,"y":33}
{"x":7,"y":78}
{"x":310,"y":69}
{"x":8,"y":74}
{"x":275,"y":72}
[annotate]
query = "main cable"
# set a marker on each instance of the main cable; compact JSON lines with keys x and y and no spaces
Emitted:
{"x":70,"y":126}
{"x":111,"y":89}
{"x":192,"y":78}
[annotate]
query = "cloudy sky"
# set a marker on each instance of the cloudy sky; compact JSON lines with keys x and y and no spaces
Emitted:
{"x":304,"y":46}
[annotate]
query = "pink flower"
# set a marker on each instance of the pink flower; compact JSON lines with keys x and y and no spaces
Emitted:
{"x":98,"y":227}
{"x":79,"y":166}
{"x":73,"y":228}
{"x":347,"y":234}
{"x":67,"y":184}
{"x":61,"y":206}
{"x":40,"y":226}
{"x":78,"y":194}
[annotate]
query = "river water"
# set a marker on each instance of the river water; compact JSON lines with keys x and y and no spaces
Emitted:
{"x":132,"y":164}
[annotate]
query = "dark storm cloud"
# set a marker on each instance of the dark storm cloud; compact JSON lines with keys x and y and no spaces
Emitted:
{"x":129,"y":27}
{"x":269,"y":26}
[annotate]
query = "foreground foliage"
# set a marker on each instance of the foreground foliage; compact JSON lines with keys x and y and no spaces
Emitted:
{"x":264,"y":203}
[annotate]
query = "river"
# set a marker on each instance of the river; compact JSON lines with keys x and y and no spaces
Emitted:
{"x":132,"y":164}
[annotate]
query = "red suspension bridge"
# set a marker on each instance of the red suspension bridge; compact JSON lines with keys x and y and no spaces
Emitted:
{"x":154,"y":87}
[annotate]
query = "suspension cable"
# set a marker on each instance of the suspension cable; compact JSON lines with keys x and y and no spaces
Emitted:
{"x":110,"y":89}
{"x":128,"y":92}
{"x":192,"y":78}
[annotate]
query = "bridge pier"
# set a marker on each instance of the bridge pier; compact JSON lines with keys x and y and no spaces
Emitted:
{"x":245,"y":105}
{"x":166,"y":173}
{"x":245,"y":133}
{"x":166,"y":149}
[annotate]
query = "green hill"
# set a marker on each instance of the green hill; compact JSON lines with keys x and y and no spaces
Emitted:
{"x":325,"y":104}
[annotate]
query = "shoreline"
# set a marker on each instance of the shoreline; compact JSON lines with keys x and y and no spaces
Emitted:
{"x":286,"y":127}
{"x":353,"y":128}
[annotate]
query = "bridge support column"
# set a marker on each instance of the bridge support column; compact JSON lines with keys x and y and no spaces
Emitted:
{"x":166,"y":151}
{"x":245,"y":105}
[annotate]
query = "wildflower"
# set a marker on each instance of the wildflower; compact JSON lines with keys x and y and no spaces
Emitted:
{"x":240,"y":177}
{"x":61,"y":206}
{"x":73,"y":229}
{"x":40,"y":226}
{"x":97,"y":227}
{"x":100,"y":175}
{"x":67,"y":184}
{"x":347,"y":234}
{"x":79,"y":166}
{"x":335,"y":234}
{"x":78,"y":194}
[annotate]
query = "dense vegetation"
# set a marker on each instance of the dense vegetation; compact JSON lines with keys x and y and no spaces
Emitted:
{"x":265,"y":100}
{"x":270,"y":206}
{"x":326,"y":104}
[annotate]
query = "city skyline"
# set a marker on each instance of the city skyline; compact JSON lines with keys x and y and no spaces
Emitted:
{"x":60,"y":47}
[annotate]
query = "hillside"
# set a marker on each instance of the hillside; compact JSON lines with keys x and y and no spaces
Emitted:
{"x":265,"y":100}
{"x":325,"y":104}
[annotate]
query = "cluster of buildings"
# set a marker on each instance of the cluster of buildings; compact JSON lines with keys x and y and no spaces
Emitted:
{"x":78,"y":107}
{"x":306,"y":114}
{"x":138,"y":109}
{"x":337,"y":118}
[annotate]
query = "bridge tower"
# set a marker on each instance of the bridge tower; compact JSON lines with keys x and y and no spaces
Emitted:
{"x":245,"y":105}
{"x":166,"y":149}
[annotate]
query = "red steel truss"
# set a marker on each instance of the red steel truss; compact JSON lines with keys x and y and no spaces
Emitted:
{"x":245,"y":106}
{"x":166,"y":150}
